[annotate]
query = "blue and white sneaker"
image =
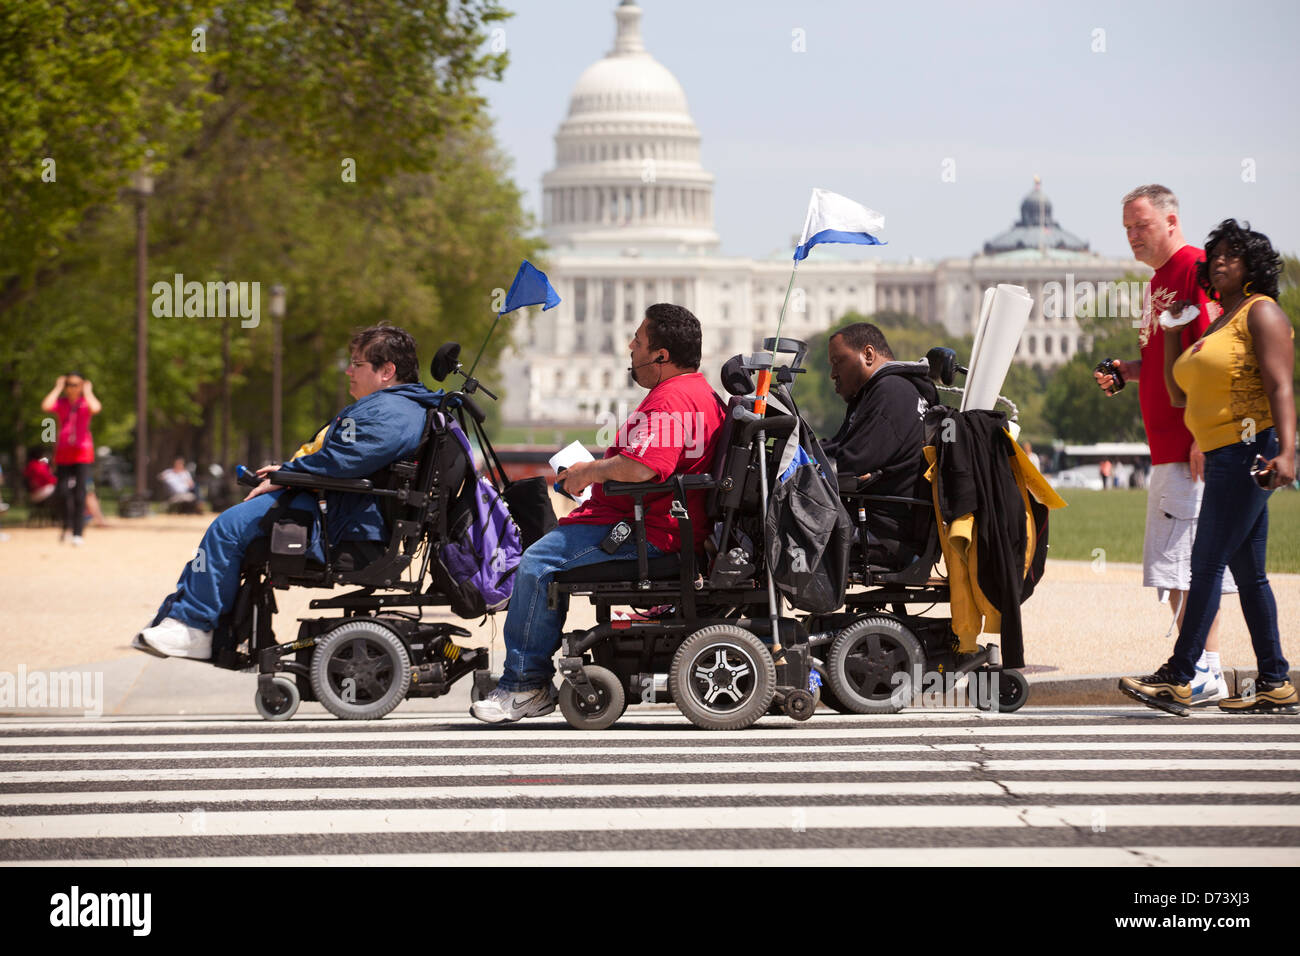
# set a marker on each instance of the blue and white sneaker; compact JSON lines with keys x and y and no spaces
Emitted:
{"x":1208,"y":687}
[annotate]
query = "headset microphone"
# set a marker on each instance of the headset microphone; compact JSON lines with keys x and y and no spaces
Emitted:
{"x":656,"y":361}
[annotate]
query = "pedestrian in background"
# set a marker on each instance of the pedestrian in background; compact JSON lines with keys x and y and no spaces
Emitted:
{"x":1235,"y":383}
{"x":73,"y":400}
{"x":1174,"y":482}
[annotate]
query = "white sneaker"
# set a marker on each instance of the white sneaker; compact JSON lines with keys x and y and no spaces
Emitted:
{"x":173,"y":638}
{"x":1208,"y":687}
{"x":503,"y":706}
{"x":78,"y":540}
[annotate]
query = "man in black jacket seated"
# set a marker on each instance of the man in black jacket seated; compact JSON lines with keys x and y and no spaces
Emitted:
{"x":882,"y":435}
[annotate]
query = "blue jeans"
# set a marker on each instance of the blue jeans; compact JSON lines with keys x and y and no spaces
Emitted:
{"x":209,"y":583}
{"x":1232,"y":529}
{"x":533,"y":630}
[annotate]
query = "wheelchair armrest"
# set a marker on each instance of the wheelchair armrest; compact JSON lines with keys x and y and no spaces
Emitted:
{"x":297,"y":479}
{"x":772,"y":426}
{"x":691,"y":482}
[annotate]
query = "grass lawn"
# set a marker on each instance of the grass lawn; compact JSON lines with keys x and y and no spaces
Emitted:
{"x":1115,"y":519}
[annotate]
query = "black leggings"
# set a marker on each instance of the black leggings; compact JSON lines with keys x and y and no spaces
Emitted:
{"x":73,"y":480}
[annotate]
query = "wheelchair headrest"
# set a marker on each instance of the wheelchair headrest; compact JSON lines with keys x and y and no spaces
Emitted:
{"x":943,"y":364}
{"x":735,"y":377}
{"x":445,"y":360}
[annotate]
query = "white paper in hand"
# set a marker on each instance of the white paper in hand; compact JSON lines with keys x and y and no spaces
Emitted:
{"x":571,"y":454}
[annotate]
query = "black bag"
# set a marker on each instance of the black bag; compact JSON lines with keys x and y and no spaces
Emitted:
{"x":530,"y":505}
{"x":809,"y":537}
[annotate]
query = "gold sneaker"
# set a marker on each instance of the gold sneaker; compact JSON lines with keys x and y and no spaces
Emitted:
{"x":1161,"y":690}
{"x":1264,"y":697}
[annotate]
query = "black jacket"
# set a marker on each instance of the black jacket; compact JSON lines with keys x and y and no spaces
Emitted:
{"x":883,"y":432}
{"x":974,"y":474}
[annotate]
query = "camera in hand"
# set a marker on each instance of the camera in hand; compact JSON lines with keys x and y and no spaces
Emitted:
{"x":1110,"y":367}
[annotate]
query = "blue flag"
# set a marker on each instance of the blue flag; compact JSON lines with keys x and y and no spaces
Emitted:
{"x":530,"y":287}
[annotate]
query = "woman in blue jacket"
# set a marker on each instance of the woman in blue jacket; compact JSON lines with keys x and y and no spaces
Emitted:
{"x":383,"y":425}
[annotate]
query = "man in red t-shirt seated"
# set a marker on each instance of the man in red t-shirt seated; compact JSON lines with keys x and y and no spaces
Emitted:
{"x":673,"y":431}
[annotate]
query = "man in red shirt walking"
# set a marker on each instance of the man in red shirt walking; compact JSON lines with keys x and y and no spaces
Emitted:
{"x":1176,"y":482}
{"x":673,"y":431}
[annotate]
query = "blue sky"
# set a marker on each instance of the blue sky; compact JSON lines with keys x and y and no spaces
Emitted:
{"x":1183,"y":94}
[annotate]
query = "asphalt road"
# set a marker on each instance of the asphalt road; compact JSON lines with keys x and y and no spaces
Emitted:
{"x":1078,"y":786}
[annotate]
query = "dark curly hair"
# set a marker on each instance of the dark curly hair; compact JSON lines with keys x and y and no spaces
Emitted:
{"x":676,"y":329}
{"x":1263,"y":264}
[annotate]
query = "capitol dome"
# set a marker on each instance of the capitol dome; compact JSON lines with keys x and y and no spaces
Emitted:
{"x":627,"y":173}
{"x":1036,"y":229}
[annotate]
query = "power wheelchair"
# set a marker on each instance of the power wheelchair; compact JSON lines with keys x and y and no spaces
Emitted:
{"x":711,"y":641}
{"x":872,"y":653}
{"x":378,"y":650}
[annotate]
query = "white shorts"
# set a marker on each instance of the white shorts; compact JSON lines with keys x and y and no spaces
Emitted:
{"x":1173,"y":503}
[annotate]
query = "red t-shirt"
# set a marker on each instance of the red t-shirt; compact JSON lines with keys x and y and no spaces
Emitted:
{"x":673,"y":431}
{"x":74,"y":445}
{"x":1168,"y":437}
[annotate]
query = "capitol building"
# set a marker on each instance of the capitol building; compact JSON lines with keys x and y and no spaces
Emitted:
{"x":627,"y":213}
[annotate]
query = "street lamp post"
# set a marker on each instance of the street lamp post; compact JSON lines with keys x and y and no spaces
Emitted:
{"x":277,"y":381}
{"x":142,"y":186}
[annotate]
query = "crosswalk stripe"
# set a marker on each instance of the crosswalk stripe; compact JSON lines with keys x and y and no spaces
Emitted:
{"x":461,"y":753}
{"x":324,"y":771}
{"x":499,"y":820}
{"x":595,"y":792}
{"x":919,"y":856}
{"x":514,"y":735}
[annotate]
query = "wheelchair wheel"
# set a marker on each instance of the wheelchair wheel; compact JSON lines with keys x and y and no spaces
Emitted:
{"x":279,"y":702}
{"x":361,"y":670}
{"x":722,"y":677}
{"x":612,"y":701}
{"x":864,"y":660}
{"x":1013,"y":691}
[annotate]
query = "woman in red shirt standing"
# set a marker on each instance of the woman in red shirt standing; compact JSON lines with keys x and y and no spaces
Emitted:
{"x":73,"y":400}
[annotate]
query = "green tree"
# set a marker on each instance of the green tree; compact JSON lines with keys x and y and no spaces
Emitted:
{"x":249,"y":140}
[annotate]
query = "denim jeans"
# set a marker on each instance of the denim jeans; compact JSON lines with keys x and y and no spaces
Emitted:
{"x":209,"y":583}
{"x":1232,"y":529}
{"x":532,"y":630}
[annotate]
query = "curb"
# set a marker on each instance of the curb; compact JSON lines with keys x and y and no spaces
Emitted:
{"x":1081,"y":689}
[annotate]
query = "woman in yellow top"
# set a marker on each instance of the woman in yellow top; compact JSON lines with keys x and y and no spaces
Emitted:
{"x":1235,"y":383}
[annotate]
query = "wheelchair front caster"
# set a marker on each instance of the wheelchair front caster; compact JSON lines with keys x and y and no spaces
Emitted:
{"x":800,"y":704}
{"x":611,"y":700}
{"x":1012,"y":691}
{"x":277,"y":699}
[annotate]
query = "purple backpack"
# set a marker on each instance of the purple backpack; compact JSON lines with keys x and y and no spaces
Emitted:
{"x":475,"y":565}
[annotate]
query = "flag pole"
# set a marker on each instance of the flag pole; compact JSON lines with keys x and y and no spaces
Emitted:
{"x":765,"y":376}
{"x":487,"y":338}
{"x":760,"y":409}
